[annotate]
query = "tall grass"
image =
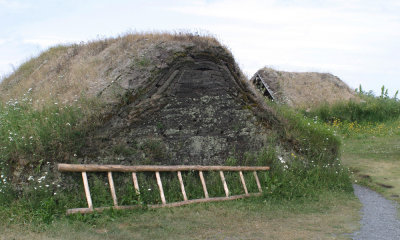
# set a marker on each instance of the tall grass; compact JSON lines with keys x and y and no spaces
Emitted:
{"x":31,"y":137}
{"x":370,"y":109}
{"x":311,"y":140}
{"x":313,"y":167}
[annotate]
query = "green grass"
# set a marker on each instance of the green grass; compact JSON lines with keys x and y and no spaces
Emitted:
{"x":370,"y":131}
{"x":32,"y":138}
{"x":369,"y":109}
{"x":375,"y":162}
{"x":44,"y":202}
{"x":330,"y":216}
{"x":311,"y":139}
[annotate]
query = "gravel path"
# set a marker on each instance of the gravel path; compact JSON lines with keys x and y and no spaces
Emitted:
{"x":379,"y":216}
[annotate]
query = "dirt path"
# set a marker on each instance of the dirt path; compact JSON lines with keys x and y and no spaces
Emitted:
{"x":379,"y":216}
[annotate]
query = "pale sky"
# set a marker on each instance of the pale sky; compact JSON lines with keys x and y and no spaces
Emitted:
{"x":356,"y":40}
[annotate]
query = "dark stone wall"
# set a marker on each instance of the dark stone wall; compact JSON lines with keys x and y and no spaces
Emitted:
{"x":198,"y":113}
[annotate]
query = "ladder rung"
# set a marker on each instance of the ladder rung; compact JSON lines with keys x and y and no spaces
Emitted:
{"x":160,"y":188}
{"x":87,"y":190}
{"x":182,"y":186}
{"x":257,"y":181}
{"x":204,"y":184}
{"x":221,"y":173}
{"x":243,"y":182}
{"x":135,"y":182}
{"x":112,"y":188}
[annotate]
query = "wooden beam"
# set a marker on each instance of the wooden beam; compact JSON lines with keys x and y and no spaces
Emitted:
{"x":182,"y":186}
{"x":160,"y":188}
{"x":151,"y":168}
{"x":257,"y":181}
{"x":243,"y":182}
{"x":221,"y":173}
{"x":112,"y":188}
{"x":174,"y":204}
{"x":87,"y":191}
{"x":135,"y":182}
{"x":204,"y":184}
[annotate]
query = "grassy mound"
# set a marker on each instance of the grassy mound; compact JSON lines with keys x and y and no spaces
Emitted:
{"x":305,"y":89}
{"x":60,"y":98}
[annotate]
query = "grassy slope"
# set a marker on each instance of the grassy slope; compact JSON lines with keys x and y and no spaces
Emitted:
{"x":331,"y":217}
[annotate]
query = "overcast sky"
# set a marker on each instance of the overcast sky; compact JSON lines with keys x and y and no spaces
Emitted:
{"x":356,"y":40}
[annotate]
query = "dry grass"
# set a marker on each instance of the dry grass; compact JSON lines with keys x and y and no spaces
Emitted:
{"x":306,"y":89}
{"x":64,"y":73}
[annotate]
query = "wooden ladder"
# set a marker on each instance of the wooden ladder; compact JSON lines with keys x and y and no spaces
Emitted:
{"x":84,"y":168}
{"x":263,"y":87}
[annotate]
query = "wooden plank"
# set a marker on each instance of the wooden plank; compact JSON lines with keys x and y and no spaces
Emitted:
{"x":243,"y":182}
{"x":79,"y":210}
{"x":151,"y":168}
{"x":174,"y":204}
{"x":112,"y":188}
{"x":221,"y":173}
{"x":204,"y":184}
{"x":160,"y":188}
{"x":87,"y":191}
{"x":205,"y":200}
{"x":135,"y":182}
{"x":257,"y":181}
{"x":182,"y":186}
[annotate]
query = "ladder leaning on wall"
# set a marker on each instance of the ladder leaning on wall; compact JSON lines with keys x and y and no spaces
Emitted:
{"x":84,"y":168}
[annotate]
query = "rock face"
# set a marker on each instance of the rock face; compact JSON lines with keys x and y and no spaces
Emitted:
{"x":198,"y":112}
{"x":305,"y":89}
